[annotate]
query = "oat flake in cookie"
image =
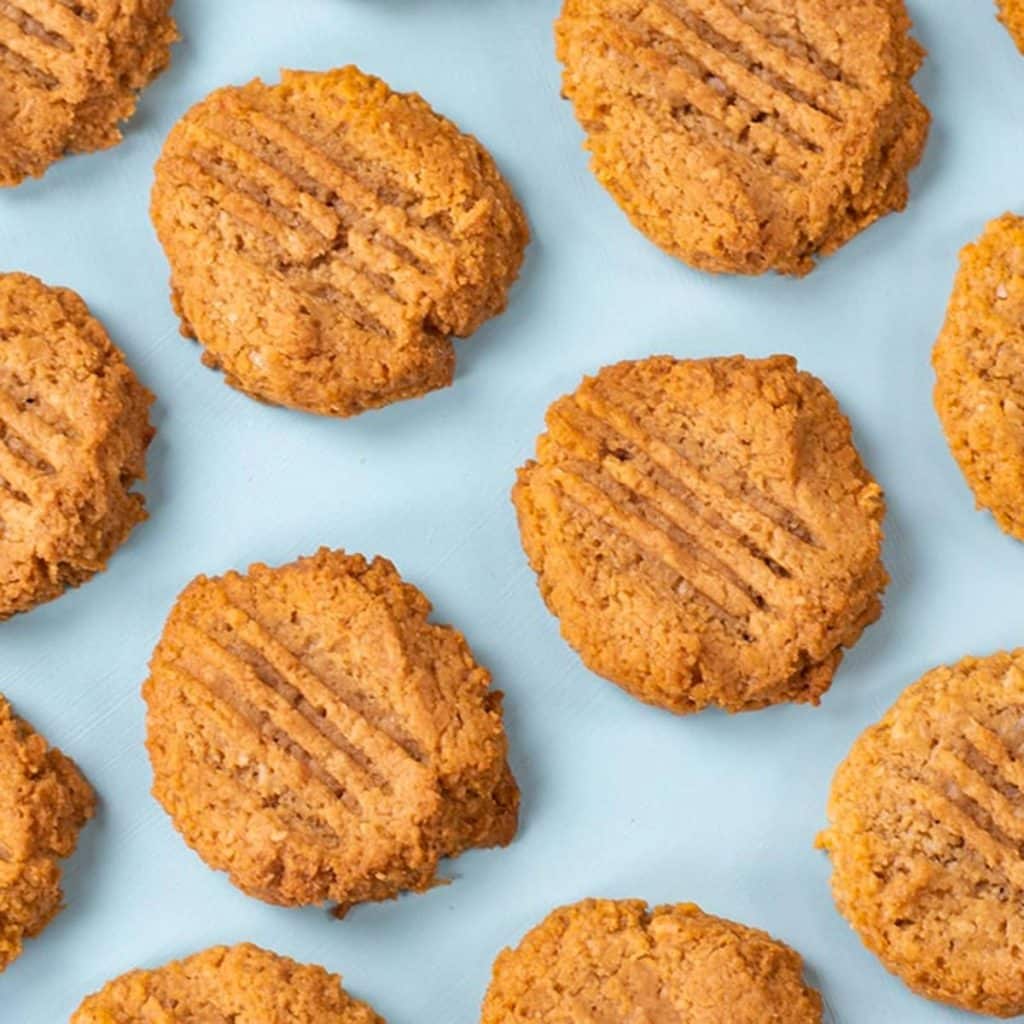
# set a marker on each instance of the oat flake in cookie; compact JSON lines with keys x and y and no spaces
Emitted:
{"x":315,"y":736}
{"x":74,"y":429}
{"x":328,"y":237}
{"x":705,"y":530}
{"x":926,"y":823}
{"x":746,"y":135}
{"x":70,"y":73}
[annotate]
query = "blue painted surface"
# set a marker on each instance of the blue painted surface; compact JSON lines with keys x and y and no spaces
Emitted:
{"x":619,"y":799}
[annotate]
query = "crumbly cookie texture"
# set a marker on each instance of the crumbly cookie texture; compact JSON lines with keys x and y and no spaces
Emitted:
{"x":327,"y":237}
{"x":70,"y":73}
{"x":1011,"y":14}
{"x":746,"y":136}
{"x":241,"y":984}
{"x":44,"y":802}
{"x":979,"y":371}
{"x":925,"y":828}
{"x":704,"y":530}
{"x":312,"y":734}
{"x":618,"y":960}
{"x":74,"y":428}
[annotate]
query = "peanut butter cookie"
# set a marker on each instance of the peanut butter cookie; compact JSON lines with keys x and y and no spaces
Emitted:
{"x":1011,"y":14}
{"x":328,"y":236}
{"x":618,"y":960}
{"x":316,"y":737}
{"x":979,"y":371}
{"x":241,"y":984}
{"x":70,"y":72}
{"x":44,"y":802}
{"x":746,"y":136}
{"x":926,"y":826}
{"x":74,"y":428}
{"x":704,"y":530}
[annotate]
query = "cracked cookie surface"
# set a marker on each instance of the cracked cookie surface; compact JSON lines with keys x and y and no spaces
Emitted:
{"x":979,"y":371}
{"x":74,"y":429}
{"x":315,"y":736}
{"x":618,"y":960}
{"x":704,"y":530}
{"x":70,"y":73}
{"x":234,"y":985}
{"x":743,"y":137}
{"x":925,"y":833}
{"x":328,"y":237}
{"x":44,"y":803}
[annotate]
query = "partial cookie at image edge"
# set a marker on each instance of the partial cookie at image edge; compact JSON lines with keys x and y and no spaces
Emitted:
{"x":924,"y":834}
{"x":618,"y":958}
{"x":243,"y":982}
{"x":44,"y":803}
{"x":978,"y":360}
{"x":71,"y":74}
{"x":74,"y":432}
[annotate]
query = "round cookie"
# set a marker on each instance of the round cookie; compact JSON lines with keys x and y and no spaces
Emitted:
{"x":74,"y":429}
{"x":242,"y":984}
{"x":44,"y":802}
{"x":328,"y":236}
{"x":313,"y":735}
{"x":979,"y":371}
{"x":618,"y":960}
{"x":70,"y":72}
{"x":1011,"y":14}
{"x":704,"y":530}
{"x":747,"y":136}
{"x":926,"y":825}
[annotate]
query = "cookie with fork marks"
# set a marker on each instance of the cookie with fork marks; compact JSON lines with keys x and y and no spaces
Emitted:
{"x":705,"y":530}
{"x":74,"y":429}
{"x":328,"y":237}
{"x":70,"y":73}
{"x":315,"y":736}
{"x":746,"y":135}
{"x":926,"y":829}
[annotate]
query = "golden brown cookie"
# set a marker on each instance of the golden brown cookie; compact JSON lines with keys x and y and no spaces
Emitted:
{"x":926,"y":831}
{"x":704,"y":530}
{"x":70,"y":72}
{"x":979,"y":371}
{"x":44,"y":802}
{"x":74,"y":428}
{"x":746,"y":136}
{"x":328,"y":236}
{"x":312,"y":734}
{"x":241,"y":984}
{"x":618,"y":960}
{"x":1011,"y":14}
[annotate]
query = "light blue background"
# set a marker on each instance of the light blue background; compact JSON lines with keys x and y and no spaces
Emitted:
{"x":619,"y":799}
